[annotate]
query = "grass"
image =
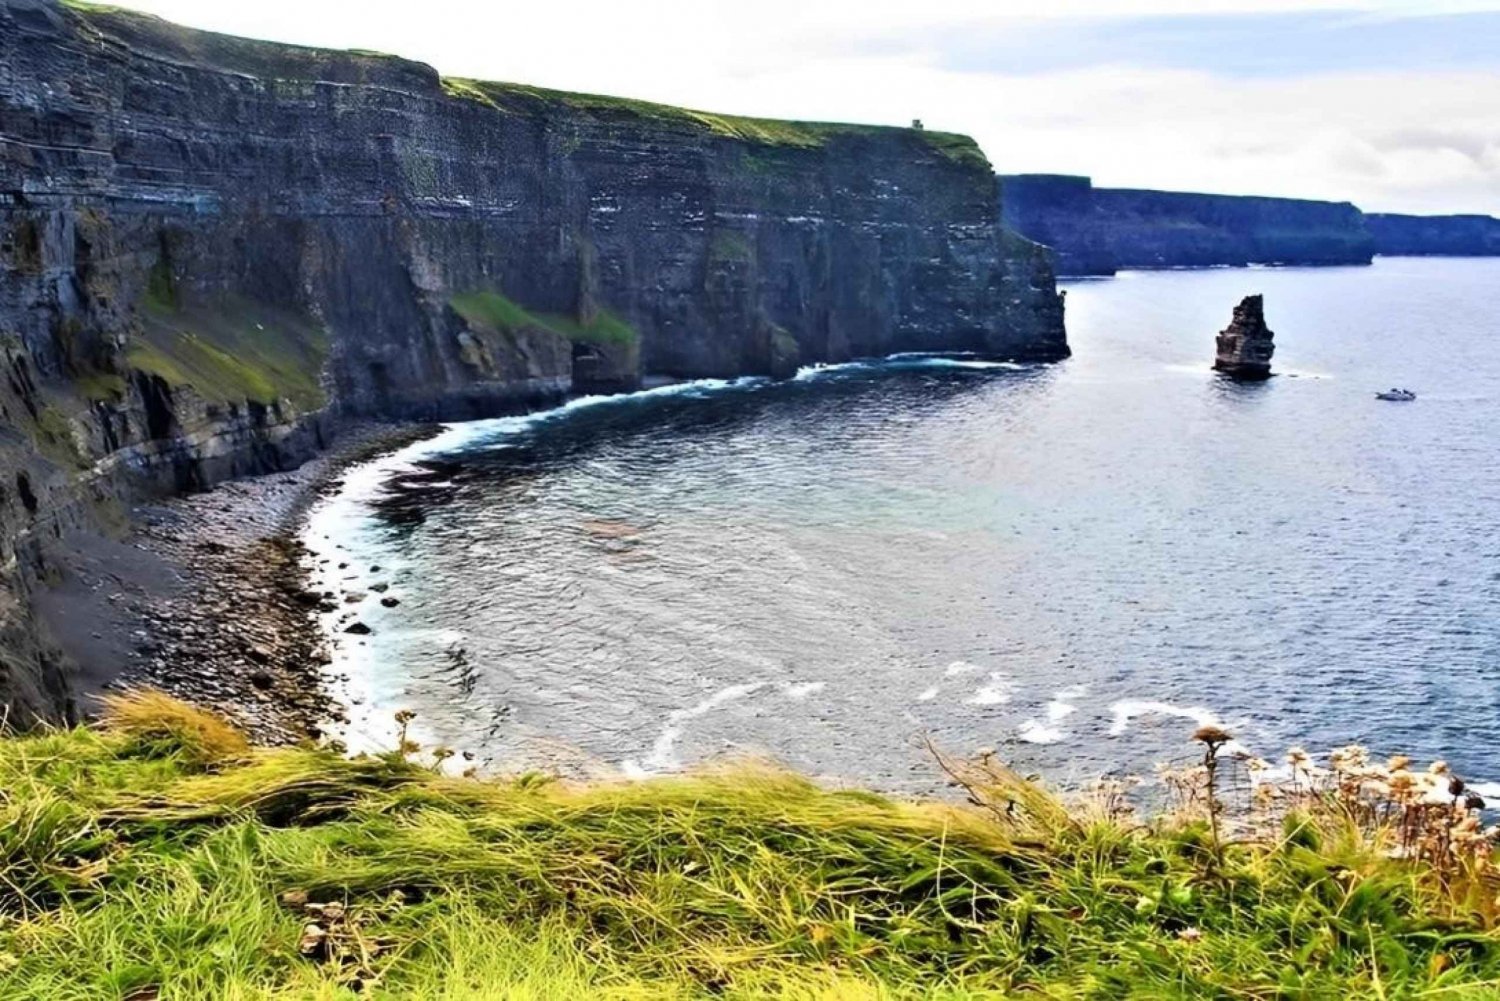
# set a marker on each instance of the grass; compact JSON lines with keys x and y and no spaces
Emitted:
{"x":232,"y":350}
{"x":55,"y":439}
{"x":730,"y":245}
{"x":520,"y":98}
{"x":158,"y":856}
{"x":491,"y":310}
{"x":100,"y":385}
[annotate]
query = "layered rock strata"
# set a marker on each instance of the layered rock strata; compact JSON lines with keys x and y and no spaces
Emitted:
{"x":1245,"y":347}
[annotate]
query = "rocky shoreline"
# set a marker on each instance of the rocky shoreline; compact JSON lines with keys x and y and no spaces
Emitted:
{"x":234,"y":628}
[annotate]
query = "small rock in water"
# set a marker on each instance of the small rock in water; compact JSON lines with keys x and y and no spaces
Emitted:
{"x":358,"y":629}
{"x":1245,"y":347}
{"x":390,"y":602}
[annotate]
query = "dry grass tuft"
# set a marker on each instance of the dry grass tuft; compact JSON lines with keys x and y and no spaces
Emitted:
{"x":157,"y":725}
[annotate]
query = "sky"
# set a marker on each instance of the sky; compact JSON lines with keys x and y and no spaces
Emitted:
{"x":1391,"y":104}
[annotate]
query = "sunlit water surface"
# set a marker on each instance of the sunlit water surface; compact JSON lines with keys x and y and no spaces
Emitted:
{"x":1067,"y":563}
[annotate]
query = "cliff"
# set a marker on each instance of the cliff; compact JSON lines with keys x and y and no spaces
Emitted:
{"x":1434,"y":235}
{"x":216,"y":250}
{"x":1100,"y":230}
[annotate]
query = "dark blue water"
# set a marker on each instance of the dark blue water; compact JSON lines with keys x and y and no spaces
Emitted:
{"x":1071,"y":564}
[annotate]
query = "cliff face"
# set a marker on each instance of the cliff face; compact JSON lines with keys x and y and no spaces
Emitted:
{"x":1100,"y":230}
{"x":215,"y":249}
{"x":1435,"y":235}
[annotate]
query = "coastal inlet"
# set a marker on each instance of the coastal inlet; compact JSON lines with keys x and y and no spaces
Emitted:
{"x":1074,"y":564}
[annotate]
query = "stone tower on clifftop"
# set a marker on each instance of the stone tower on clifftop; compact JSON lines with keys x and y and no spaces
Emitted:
{"x":1245,"y":346}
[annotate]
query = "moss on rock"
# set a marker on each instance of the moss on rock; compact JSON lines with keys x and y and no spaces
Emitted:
{"x":232,"y":350}
{"x":491,"y":310}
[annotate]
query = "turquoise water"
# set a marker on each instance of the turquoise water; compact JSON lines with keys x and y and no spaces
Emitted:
{"x":1071,"y":563}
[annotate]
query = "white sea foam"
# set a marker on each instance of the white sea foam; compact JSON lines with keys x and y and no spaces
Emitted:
{"x":363,"y":482}
{"x":928,"y":694}
{"x":1207,"y":370}
{"x":1058,"y":708}
{"x":1489,"y":790}
{"x":999,"y":690}
{"x":1128,"y":709}
{"x":1063,"y":702}
{"x":959,"y":667}
{"x":662,"y":757}
{"x":906,"y":360}
{"x":799,"y":690}
{"x":1034,"y":732}
{"x":974,"y":363}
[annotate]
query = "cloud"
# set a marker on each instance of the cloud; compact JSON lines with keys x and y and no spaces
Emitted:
{"x":1280,"y":44}
{"x":1475,"y":144}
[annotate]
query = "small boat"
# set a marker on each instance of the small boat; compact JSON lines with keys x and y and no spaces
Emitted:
{"x":1397,"y":395}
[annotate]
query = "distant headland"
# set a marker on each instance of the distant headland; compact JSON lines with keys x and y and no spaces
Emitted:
{"x":1098,"y":231}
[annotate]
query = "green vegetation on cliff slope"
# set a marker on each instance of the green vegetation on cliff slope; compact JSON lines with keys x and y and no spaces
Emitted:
{"x":231,"y":350}
{"x":494,"y":311}
{"x":160,"y":856}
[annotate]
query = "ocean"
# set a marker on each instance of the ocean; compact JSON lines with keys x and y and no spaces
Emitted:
{"x":1071,"y":564}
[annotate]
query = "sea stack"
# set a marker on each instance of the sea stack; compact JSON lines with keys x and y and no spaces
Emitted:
{"x":1245,"y":346}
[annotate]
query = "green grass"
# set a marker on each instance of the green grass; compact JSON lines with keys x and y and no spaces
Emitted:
{"x":100,"y":385}
{"x":162,"y":857}
{"x":276,"y":63}
{"x":53,"y":437}
{"x":959,"y":148}
{"x":730,"y":245}
{"x":458,"y":87}
{"x":519,"y":98}
{"x":232,"y":350}
{"x":85,"y":7}
{"x":491,"y":310}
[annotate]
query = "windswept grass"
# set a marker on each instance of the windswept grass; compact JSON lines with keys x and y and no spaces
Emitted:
{"x":158,"y":856}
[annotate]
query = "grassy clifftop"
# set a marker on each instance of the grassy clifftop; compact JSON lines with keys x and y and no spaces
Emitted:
{"x":518,"y":98}
{"x":283,"y":62}
{"x":160,"y":856}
